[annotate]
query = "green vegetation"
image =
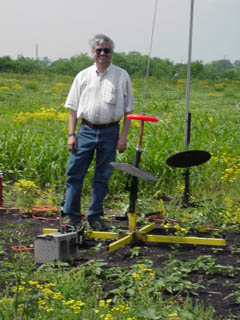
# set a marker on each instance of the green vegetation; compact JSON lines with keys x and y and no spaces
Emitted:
{"x":34,"y":125}
{"x":133,"y":62}
{"x":55,"y":290}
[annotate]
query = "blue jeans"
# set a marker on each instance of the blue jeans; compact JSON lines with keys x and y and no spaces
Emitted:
{"x":104,"y":142}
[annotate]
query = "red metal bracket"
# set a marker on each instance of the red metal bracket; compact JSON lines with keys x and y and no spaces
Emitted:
{"x":142,"y":117}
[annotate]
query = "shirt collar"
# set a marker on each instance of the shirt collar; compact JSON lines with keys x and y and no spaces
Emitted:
{"x":108,"y":68}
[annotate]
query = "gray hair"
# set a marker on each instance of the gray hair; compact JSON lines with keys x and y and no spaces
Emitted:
{"x":101,"y":39}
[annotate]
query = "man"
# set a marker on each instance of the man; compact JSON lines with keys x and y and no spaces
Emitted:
{"x":100,"y":96}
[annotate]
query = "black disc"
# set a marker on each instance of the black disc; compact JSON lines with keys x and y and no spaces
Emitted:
{"x":134,"y":171}
{"x":188,"y":159}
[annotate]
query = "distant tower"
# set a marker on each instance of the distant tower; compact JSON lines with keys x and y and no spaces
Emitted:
{"x":36,"y":51}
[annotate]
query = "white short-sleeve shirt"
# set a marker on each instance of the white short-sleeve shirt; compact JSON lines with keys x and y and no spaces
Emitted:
{"x":101,"y":98}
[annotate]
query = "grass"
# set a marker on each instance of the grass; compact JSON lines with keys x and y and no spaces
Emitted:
{"x":56,"y":289}
{"x":34,"y":125}
{"x":33,"y":130}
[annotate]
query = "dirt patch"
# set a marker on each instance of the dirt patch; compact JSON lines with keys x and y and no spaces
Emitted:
{"x":216,"y":284}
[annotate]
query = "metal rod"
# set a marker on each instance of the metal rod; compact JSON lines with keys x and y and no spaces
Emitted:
{"x":185,"y":202}
{"x":139,"y":146}
{"x":1,"y":198}
{"x":188,"y":76}
{"x":60,"y":160}
{"x":150,"y":52}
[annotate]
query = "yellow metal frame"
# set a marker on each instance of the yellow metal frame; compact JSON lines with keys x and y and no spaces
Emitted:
{"x":122,"y":238}
{"x":127,"y":237}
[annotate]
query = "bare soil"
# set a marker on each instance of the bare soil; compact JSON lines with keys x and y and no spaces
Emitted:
{"x":217,"y":285}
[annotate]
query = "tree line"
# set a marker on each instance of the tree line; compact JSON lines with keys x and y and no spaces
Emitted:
{"x":134,"y":62}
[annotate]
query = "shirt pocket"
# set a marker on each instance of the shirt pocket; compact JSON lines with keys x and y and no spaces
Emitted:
{"x":110,"y":95}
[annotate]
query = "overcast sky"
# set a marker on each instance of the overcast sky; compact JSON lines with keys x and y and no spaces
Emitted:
{"x":62,"y":28}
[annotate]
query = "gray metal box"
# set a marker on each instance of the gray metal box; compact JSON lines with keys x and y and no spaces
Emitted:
{"x":57,"y":246}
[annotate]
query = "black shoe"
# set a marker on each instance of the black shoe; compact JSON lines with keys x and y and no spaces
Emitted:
{"x":98,"y":225}
{"x":76,"y":224}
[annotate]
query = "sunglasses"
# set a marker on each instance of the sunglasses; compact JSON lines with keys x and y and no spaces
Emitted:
{"x":105,"y":50}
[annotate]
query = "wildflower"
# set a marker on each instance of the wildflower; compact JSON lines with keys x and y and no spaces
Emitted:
{"x":42,"y":114}
{"x":4,"y":88}
{"x":136,"y":275}
{"x":102,"y":303}
{"x":17,"y":87}
{"x":51,"y":284}
{"x":26,"y":185}
{"x":59,"y":84}
{"x":172,"y":316}
{"x":203,"y":82}
{"x":69,"y":302}
{"x":214,"y":94}
{"x":58,"y":296}
{"x":180,"y":81}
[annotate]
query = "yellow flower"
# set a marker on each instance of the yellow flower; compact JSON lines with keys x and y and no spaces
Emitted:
{"x":69,"y":302}
{"x":43,"y":114}
{"x":136,"y":276}
{"x":102,"y":303}
{"x":214,"y":94}
{"x":59,"y":84}
{"x":17,"y":87}
{"x":4,"y":88}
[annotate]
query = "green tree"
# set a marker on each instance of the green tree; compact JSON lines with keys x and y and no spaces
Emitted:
{"x":6,"y":64}
{"x":162,"y":69}
{"x":196,"y":69}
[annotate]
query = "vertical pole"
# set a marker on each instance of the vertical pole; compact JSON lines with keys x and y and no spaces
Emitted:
{"x":150,"y":52}
{"x":134,"y":184}
{"x":188,"y":77}
{"x":60,"y":162}
{"x":36,"y":51}
{"x":139,"y":146}
{"x":187,"y":114}
{"x":185,"y":201}
{"x":132,"y":218}
{"x":1,"y":199}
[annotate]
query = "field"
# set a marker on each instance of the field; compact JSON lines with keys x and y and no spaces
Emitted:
{"x":140,"y":281}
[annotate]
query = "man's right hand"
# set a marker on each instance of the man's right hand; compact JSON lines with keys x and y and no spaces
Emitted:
{"x":72,"y":143}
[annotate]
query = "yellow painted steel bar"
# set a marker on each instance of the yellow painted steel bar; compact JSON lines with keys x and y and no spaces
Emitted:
{"x":48,"y":230}
{"x":104,"y":235}
{"x":132,"y":221}
{"x":148,"y":228}
{"x":120,"y":243}
{"x":183,"y":240}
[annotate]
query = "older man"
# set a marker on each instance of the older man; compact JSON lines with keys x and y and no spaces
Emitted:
{"x":100,"y":96}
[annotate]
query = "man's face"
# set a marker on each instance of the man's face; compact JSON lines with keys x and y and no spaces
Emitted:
{"x":102,"y":54}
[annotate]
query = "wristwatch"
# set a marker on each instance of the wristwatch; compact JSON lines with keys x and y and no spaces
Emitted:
{"x":71,"y":134}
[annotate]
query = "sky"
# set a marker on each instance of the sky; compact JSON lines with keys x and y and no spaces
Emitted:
{"x":62,"y":28}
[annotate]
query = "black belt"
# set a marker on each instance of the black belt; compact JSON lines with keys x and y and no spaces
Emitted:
{"x":99,"y":126}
